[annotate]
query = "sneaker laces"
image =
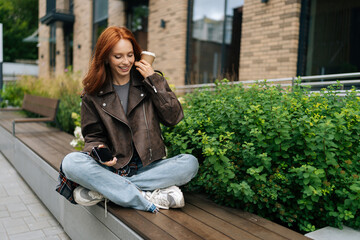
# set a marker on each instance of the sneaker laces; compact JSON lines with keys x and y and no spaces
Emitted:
{"x":95,"y":195}
{"x":157,"y":197}
{"x":106,"y":211}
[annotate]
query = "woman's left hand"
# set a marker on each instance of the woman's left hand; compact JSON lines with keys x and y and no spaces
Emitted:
{"x":111,"y":162}
{"x":144,"y":68}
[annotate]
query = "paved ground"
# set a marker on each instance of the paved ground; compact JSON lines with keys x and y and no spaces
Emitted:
{"x":22,"y":215}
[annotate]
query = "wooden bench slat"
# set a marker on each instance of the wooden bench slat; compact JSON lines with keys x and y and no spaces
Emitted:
{"x":40,"y":128}
{"x":50,"y":155}
{"x":12,"y":109}
{"x":9,"y":115}
{"x":173,"y":228}
{"x":200,"y":200}
{"x":40,"y":105}
{"x":7,"y":124}
{"x":217,"y":223}
{"x":142,"y":226}
{"x":31,"y":133}
{"x":46,"y":107}
{"x":62,"y":145}
{"x":196,"y":226}
{"x":41,"y":143}
{"x":38,"y":100}
{"x":25,"y":120}
{"x":58,"y":141}
{"x":232,"y":218}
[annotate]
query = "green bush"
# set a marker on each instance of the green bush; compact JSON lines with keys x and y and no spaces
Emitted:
{"x":66,"y":87}
{"x":289,"y":156}
{"x":12,"y":94}
{"x":68,"y":104}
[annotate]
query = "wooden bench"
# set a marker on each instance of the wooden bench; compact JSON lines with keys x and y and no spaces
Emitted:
{"x":199,"y":219}
{"x":46,"y":107}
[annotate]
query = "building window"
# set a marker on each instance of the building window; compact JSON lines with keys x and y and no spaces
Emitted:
{"x":69,"y":37}
{"x":137,"y":12}
{"x":329,"y":37}
{"x":50,"y":6}
{"x":213,"y":49}
{"x":52,"y":47}
{"x":100,"y":18}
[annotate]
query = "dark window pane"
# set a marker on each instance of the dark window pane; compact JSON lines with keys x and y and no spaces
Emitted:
{"x":100,"y":10}
{"x":137,"y":20}
{"x":333,"y":37}
{"x":213,"y":51}
{"x":98,"y":28}
{"x":52,"y":47}
{"x":50,"y":5}
{"x":100,"y":16}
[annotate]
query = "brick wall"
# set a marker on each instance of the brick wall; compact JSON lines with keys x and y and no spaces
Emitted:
{"x":116,"y":13}
{"x":269,"y":40}
{"x":60,"y":50}
{"x":60,"y":44}
{"x":82,"y":42}
{"x":43,"y":50}
{"x":169,"y":43}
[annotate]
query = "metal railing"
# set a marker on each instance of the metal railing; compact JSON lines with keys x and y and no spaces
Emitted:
{"x":314,"y":81}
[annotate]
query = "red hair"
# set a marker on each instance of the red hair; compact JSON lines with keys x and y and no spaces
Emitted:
{"x":98,"y":72}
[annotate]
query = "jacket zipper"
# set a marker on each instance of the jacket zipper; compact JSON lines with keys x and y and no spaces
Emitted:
{"x":152,"y":85}
{"x":155,"y":90}
{"x":147,"y":130}
{"x":132,"y":137}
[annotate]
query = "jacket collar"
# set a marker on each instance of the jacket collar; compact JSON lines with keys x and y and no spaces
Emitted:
{"x":135,"y":81}
{"x":136,"y":95}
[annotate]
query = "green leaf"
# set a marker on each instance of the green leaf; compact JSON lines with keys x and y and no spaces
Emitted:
{"x":306,"y":181}
{"x":355,"y":187}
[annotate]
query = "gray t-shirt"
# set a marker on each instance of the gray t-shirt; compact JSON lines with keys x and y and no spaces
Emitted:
{"x":123,"y":93}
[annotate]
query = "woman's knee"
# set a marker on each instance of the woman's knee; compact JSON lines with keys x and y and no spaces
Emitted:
{"x":191,"y":164}
{"x":72,"y":162}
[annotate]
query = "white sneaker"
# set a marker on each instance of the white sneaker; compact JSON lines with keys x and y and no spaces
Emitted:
{"x":166,"y":198}
{"x":86,"y":197}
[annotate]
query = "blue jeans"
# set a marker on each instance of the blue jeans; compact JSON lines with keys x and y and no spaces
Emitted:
{"x":125,"y":191}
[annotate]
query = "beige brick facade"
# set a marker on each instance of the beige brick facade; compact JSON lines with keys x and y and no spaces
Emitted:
{"x":60,"y":50}
{"x":60,"y":44}
{"x":269,"y":40}
{"x":168,"y":43}
{"x":82,"y":42}
{"x":43,"y":45}
{"x":116,"y":13}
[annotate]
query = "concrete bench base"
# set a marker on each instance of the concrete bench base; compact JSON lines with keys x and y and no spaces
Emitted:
{"x":78,"y":222}
{"x":330,"y":233}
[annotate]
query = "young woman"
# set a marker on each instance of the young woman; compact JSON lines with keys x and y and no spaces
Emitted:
{"x":123,"y":104}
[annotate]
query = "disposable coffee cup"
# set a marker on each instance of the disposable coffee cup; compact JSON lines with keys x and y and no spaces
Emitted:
{"x":148,"y":56}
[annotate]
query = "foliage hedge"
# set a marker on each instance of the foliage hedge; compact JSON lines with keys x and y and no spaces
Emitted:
{"x":289,"y":156}
{"x":12,"y":95}
{"x":66,"y":87}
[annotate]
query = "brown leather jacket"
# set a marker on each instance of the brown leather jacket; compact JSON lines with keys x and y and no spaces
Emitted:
{"x":151,"y":101}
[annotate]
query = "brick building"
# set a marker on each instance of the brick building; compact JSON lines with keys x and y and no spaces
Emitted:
{"x":198,"y":41}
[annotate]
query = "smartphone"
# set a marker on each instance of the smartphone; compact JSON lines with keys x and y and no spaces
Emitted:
{"x":101,"y":154}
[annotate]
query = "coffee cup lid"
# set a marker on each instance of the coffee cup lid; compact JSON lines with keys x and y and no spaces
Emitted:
{"x":148,"y":53}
